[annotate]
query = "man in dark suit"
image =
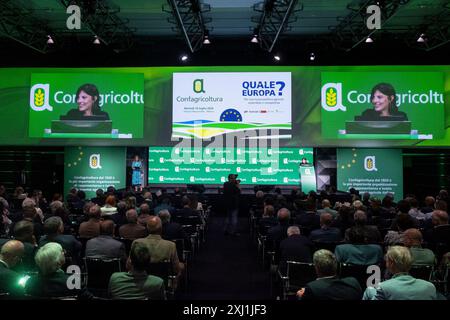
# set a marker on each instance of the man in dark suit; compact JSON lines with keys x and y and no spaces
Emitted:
{"x":231,"y":194}
{"x":328,"y":286}
{"x":326,"y":233}
{"x":295,"y":248}
{"x":279,"y":232}
{"x":53,"y":228}
{"x":132,"y":230}
{"x":10,"y":255}
{"x":104,"y":246}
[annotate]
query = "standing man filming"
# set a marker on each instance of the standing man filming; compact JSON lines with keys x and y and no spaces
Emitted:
{"x":231,"y":194}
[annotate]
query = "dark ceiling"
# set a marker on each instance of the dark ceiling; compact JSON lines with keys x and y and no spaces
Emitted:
{"x":157,"y":32}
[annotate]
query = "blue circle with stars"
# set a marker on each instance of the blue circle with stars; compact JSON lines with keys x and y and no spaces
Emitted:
{"x":231,"y":115}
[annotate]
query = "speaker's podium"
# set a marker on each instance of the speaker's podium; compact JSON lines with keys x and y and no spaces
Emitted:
{"x":307,"y":177}
{"x":81,"y":126}
{"x":378,"y":127}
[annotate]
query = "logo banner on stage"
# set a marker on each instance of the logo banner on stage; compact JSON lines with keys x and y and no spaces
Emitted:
{"x":259,"y":166}
{"x":377,"y":171}
{"x":92,"y":168}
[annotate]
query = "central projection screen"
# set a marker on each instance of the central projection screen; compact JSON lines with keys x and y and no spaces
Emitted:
{"x":313,"y":106}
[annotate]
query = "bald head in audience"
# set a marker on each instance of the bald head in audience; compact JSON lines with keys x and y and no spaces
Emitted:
{"x":412,"y":238}
{"x":12,"y":252}
{"x":284,"y":215}
{"x":154,"y":225}
{"x":107,"y":228}
{"x":439,"y":217}
{"x":325,"y":220}
{"x":132,"y":216}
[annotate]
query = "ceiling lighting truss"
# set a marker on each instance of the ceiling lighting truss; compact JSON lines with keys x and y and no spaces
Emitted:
{"x":274,"y":18}
{"x":188,"y":18}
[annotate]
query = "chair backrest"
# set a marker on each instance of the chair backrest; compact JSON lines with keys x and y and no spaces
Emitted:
{"x":163,"y":269}
{"x":99,"y":271}
{"x":423,"y":272}
{"x":127,"y":243}
{"x":181,"y":247}
{"x":356,"y":271}
{"x":318,"y":245}
{"x":300,"y":273}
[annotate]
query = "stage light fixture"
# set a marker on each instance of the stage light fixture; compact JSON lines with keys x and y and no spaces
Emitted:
{"x":206,"y":38}
{"x":312,"y":56}
{"x":50,"y":39}
{"x":422,"y":38}
{"x":184,"y":58}
{"x":96,"y":40}
{"x":277,"y":57}
{"x":255,"y":36}
{"x":369,"y":39}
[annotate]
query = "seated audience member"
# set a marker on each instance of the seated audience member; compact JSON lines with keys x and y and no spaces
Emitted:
{"x":401,"y":286}
{"x":164,"y":205}
{"x":171,"y":230}
{"x":344,"y":218}
{"x":160,"y":249}
{"x":267,"y":220}
{"x":279,"y":232}
{"x":328,"y":286}
{"x":99,"y":198}
{"x":371,"y":233}
{"x":110,"y":206}
{"x":52,"y":280}
{"x":105,"y":246}
{"x":357,"y":251}
{"x":326,"y":233}
{"x":120,"y":218}
{"x":137,"y":283}
{"x":23,"y":231}
{"x":414,"y":212}
{"x":10,"y":255}
{"x":429,"y":206}
{"x":53,"y":228}
{"x":91,"y":228}
{"x":400,"y":224}
{"x":295,"y":248}
{"x":412,"y":239}
{"x":144,"y":214}
{"x":132,"y":230}
{"x":309,"y":219}
{"x":326,"y":208}
{"x":440,"y":230}
{"x":29,"y":213}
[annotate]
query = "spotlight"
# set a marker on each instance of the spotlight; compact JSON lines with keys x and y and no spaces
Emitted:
{"x":312,"y":56}
{"x":277,"y":57}
{"x":206,"y":38}
{"x":50,"y":40}
{"x":96,"y":40}
{"x":255,"y":36}
{"x":422,"y":38}
{"x":369,"y":39}
{"x":184,"y":58}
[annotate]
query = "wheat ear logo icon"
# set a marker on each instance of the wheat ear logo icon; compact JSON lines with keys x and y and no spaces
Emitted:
{"x":331,"y":97}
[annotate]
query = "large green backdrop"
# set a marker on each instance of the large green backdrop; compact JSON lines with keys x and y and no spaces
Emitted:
{"x":377,"y":171}
{"x":92,"y":168}
{"x":307,"y":129}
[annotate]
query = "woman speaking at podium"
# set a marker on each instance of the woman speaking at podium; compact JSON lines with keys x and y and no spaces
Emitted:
{"x":383,"y":99}
{"x":88,"y":104}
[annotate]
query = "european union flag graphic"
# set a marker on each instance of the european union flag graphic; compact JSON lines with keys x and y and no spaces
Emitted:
{"x":231,"y":115}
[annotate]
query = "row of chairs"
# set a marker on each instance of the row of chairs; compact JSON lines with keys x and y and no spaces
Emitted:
{"x":298,"y":274}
